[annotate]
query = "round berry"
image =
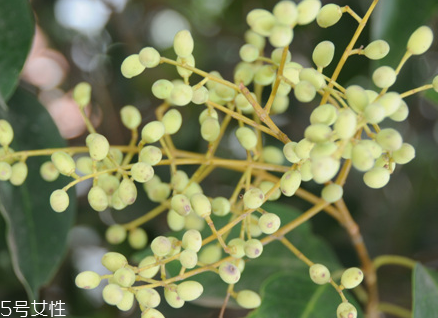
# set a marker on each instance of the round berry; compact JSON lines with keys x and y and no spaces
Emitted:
{"x":376,"y":50}
{"x":142,"y":172}
{"x":151,"y":271}
{"x":112,"y":294}
{"x":236,"y":246}
{"x":6,"y":133}
{"x":137,"y":238}
{"x":115,"y":234}
{"x":149,"y":57}
{"x":98,"y":199}
{"x":172,"y":297}
{"x":210,"y":254}
{"x":175,"y":221}
{"x":131,"y":66}
{"x":253,"y":248}
{"x":307,"y":11}
{"x":210,"y":129}
{"x":229,"y":273}
{"x":304,"y":91}
{"x":290,"y":182}
{"x":6,"y":171}
{"x":352,"y":277}
{"x":329,"y":15}
{"x":201,"y":205}
{"x":152,"y":132}
{"x":376,"y":177}
{"x":189,"y":290}
{"x":161,"y":88}
{"x":148,"y":297}
{"x":390,"y":139}
{"x":19,"y":173}
{"x":247,"y":138}
{"x":420,"y":40}
{"x":181,"y":204}
{"x":286,"y":12}
{"x":87,"y":280}
{"x":332,"y":192}
{"x":346,"y":124}
{"x":161,"y":246}
{"x":404,"y":154}
{"x":192,"y":240}
{"x":48,"y":171}
{"x":59,"y":200}
{"x":253,"y":198}
{"x":127,"y":191}
{"x":113,"y":261}
{"x":188,"y":258}
{"x":248,"y":299}
{"x":150,"y":155}
{"x":384,"y":76}
{"x":183,"y":43}
{"x":131,"y":117}
{"x":269,"y":223}
{"x":151,"y":313}
{"x":346,"y":310}
{"x":249,"y":53}
{"x":357,"y":98}
{"x":124,"y":277}
{"x":323,"y":53}
{"x":172,"y":121}
{"x":63,"y":162}
{"x":319,"y":274}
{"x":181,"y":94}
{"x":127,"y":301}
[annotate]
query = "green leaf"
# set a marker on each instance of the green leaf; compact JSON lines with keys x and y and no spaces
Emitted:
{"x":16,"y":32}
{"x":424,"y":292}
{"x":293,"y":294}
{"x":36,"y":235}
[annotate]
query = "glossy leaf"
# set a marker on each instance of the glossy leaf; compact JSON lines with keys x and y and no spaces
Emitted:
{"x":424,"y":292}
{"x":16,"y":32}
{"x":36,"y":235}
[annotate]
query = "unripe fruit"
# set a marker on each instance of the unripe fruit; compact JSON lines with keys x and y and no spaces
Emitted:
{"x":148,"y":297}
{"x":113,"y":261}
{"x":181,"y":94}
{"x":247,"y":138}
{"x":404,"y":154}
{"x":112,"y":294}
{"x":291,"y":72}
{"x":351,"y":277}
{"x":290,"y":182}
{"x":286,"y":12}
{"x":323,"y":53}
{"x":346,"y":310}
{"x":324,"y":169}
{"x":390,"y":139}
{"x":115,"y":234}
{"x":303,"y":148}
{"x":253,"y":198}
{"x":319,"y":274}
{"x":374,"y":113}
{"x":376,"y":177}
{"x":131,"y":66}
{"x":19,"y":173}
{"x":98,"y":146}
{"x":249,"y":53}
{"x":265,"y":75}
{"x":269,"y":223}
{"x":151,"y":313}
{"x":159,"y":193}
{"x":229,"y":273}
{"x":266,"y":186}
{"x":391,"y":102}
{"x":332,"y":192}
{"x":175,"y":221}
{"x":210,"y":254}
{"x":183,"y":43}
{"x":306,"y":170}
{"x":188,"y":259}
{"x":192,"y":240}
{"x":323,"y":149}
{"x":179,"y":180}
{"x":384,"y":77}
{"x":189,"y":290}
{"x":138,"y":238}
{"x":84,"y":165}
{"x":87,"y":280}
{"x":210,"y":129}
{"x":149,"y":57}
{"x":277,"y":54}
{"x":59,"y":200}
{"x":206,"y":114}
{"x":345,"y":125}
{"x":6,"y":171}
{"x":172,"y":296}
{"x":201,"y":205}
{"x":124,"y":276}
{"x":261,"y":21}
{"x":181,"y":204}
{"x":281,"y":36}
{"x":127,"y":191}
{"x":161,"y":88}
{"x":304,"y":91}
{"x":329,"y":15}
{"x":236,"y":246}
{"x":142,"y":172}
{"x":82,"y":94}
{"x":318,"y":133}
{"x":253,"y":248}
{"x":98,"y":199}
{"x":420,"y":41}
{"x":200,"y":95}
{"x":130,"y":116}
{"x":109,"y":183}
{"x":401,"y":113}
{"x":151,"y":271}
{"x":63,"y":162}
{"x":248,"y":299}
{"x":127,"y":301}
{"x":48,"y":171}
{"x":150,"y":155}
{"x":220,"y":206}
{"x":362,"y":158}
{"x":357,"y":97}
{"x":376,"y":50}
{"x":312,"y":76}
{"x":289,"y":152}
{"x":307,"y":11}
{"x":244,"y":73}
{"x":152,"y":132}
{"x":161,"y":246}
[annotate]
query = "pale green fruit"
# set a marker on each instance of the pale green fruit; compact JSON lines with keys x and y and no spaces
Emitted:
{"x":161,"y":88}
{"x":332,"y":192}
{"x":272,"y":154}
{"x":189,"y":290}
{"x":98,"y":199}
{"x":255,"y":39}
{"x":200,"y":95}
{"x":307,"y":11}
{"x":151,"y":271}
{"x":376,"y":50}
{"x":131,"y":116}
{"x":318,"y":133}
{"x":357,"y":98}
{"x":253,"y":198}
{"x":161,"y":246}
{"x":253,"y":248}
{"x":323,"y":53}
{"x":319,"y":274}
{"x":127,"y":191}
{"x":390,"y":139}
{"x":6,"y":170}
{"x":98,"y":146}
{"x":266,"y":186}
{"x":210,"y":254}
{"x":172,"y":297}
{"x":137,"y":238}
{"x":346,"y":124}
{"x":148,"y":297}
{"x":420,"y":40}
{"x":286,"y":12}
{"x":81,"y":94}
{"x":324,"y":169}
{"x":181,"y":94}
{"x":59,"y":200}
{"x":261,"y":21}
{"x":175,"y":221}
{"x":229,"y":273}
{"x":290,"y":182}
{"x":248,"y":299}
{"x":183,"y":43}
{"x":346,"y":310}
{"x":125,"y":277}
{"x":236,"y":246}
{"x":249,"y":53}
{"x":304,"y":91}
{"x":151,"y":313}
{"x":246,"y":137}
{"x":115,"y":234}
{"x":281,"y":36}
{"x":351,"y":277}
{"x":312,"y":76}
{"x":404,"y":154}
{"x":329,"y":15}
{"x":131,"y":66}
{"x":19,"y":173}
{"x":269,"y":223}
{"x":192,"y":240}
{"x":150,"y":155}
{"x":112,"y":294}
{"x":188,"y":259}
{"x":277,"y":54}
{"x":181,"y":204}
{"x":376,"y":177}
{"x":152,"y":132}
{"x":127,"y":301}
{"x":201,"y":205}
{"x":87,"y":280}
{"x":210,"y":129}
{"x":220,"y":206}
{"x":113,"y":261}
{"x":384,"y":76}
{"x":63,"y":162}
{"x":142,"y":172}
{"x":149,"y":57}
{"x":289,"y":152}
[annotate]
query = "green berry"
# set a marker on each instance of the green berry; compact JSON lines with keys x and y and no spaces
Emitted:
{"x":200,"y":95}
{"x":265,"y":75}
{"x":307,"y":11}
{"x":329,"y":15}
{"x":376,"y":177}
{"x":148,"y":297}
{"x":131,"y":117}
{"x":151,"y":271}
{"x":142,"y":172}
{"x":206,"y":114}
{"x":304,"y":91}
{"x":84,"y":165}
{"x":210,"y":129}
{"x":253,"y":198}
{"x":87,"y":280}
{"x":362,"y":157}
{"x":401,"y":113}
{"x":149,"y":57}
{"x":390,"y":139}
{"x":346,"y":124}
{"x":113,"y":261}
{"x":286,"y":12}
{"x":255,"y":39}
{"x":192,"y":240}
{"x":127,"y":191}
{"x":161,"y":246}
{"x":159,"y":193}
{"x":98,"y":146}
{"x":248,"y":299}
{"x":115,"y":234}
{"x":332,"y":192}
{"x":210,"y":254}
{"x":152,"y":132}
{"x":323,"y":53}
{"x":319,"y":274}
{"x":312,"y":76}
{"x":261,"y":21}
{"x":131,"y":66}
{"x":303,"y":148}
{"x":109,"y":183}
{"x":346,"y":310}
{"x":179,"y":180}
{"x":376,"y":50}
{"x":289,"y":152}
{"x":161,"y":88}
{"x":112,"y":294}
{"x":281,"y":36}
{"x":63,"y":162}
{"x":189,"y":290}
{"x":172,"y":121}
{"x":125,"y":277}
{"x":269,"y":223}
{"x":181,"y":94}
{"x":266,"y":186}
{"x":351,"y":277}
{"x":306,"y":170}
{"x":201,"y":205}
{"x":374,"y":113}
{"x":229,"y":273}
{"x":290,"y":182}
{"x":127,"y":301}
{"x":391,"y":102}
{"x":98,"y":199}
{"x":277,"y":54}
{"x":404,"y":154}
{"x":253,"y":248}
{"x":6,"y":171}
{"x":59,"y":200}
{"x":6,"y":133}
{"x":236,"y":246}
{"x":244,"y":73}
{"x":318,"y":133}
{"x":384,"y":76}
{"x":181,"y":204}
{"x":420,"y":40}
{"x":291,"y":72}
{"x":82,"y":94}
{"x":175,"y":221}
{"x":357,"y":98}
{"x":151,"y":313}
{"x":48,"y":171}
{"x":137,"y":238}
{"x":249,"y":53}
{"x":220,"y":206}
{"x":150,"y":155}
{"x":188,"y":259}
{"x":324,"y":169}
{"x":172,"y":297}
{"x":246,"y":137}
{"x":183,"y":43}
{"x":19,"y":173}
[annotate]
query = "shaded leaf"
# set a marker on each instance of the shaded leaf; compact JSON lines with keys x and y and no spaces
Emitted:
{"x":36,"y":235}
{"x":424,"y":292}
{"x":16,"y":32}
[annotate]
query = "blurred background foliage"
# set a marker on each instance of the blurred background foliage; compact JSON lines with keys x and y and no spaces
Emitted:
{"x":90,"y":42}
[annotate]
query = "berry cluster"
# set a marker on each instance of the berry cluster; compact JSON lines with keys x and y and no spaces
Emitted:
{"x":344,"y":131}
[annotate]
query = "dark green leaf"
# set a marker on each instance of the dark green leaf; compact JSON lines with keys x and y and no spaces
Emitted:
{"x":16,"y":32}
{"x":36,"y":234}
{"x":424,"y":292}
